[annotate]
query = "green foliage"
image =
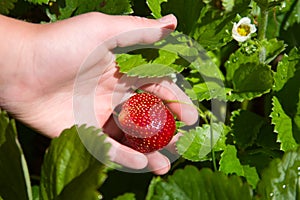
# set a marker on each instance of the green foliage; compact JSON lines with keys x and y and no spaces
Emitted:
{"x":71,"y":8}
{"x":190,"y":183}
{"x":68,"y":164}
{"x":286,"y":69}
{"x":230,"y":164}
{"x":14,"y":176}
{"x":195,"y":144}
{"x":39,"y":1}
{"x":6,"y":6}
{"x":154,"y":6}
{"x":245,"y":127}
{"x":126,"y":196}
{"x":281,"y":179}
{"x":283,"y":126}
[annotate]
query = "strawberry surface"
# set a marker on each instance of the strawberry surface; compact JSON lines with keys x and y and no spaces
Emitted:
{"x":147,"y":123}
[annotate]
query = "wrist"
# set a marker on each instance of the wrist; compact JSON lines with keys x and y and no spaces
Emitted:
{"x":15,"y":50}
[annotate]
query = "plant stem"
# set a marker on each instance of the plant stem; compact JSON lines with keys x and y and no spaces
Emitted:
{"x":213,"y":156}
{"x":244,"y":105}
{"x":263,"y":23}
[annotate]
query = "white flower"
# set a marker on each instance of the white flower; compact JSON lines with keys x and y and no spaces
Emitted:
{"x":242,"y":30}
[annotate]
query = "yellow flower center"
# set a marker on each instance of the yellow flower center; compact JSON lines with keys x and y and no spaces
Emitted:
{"x":243,"y":30}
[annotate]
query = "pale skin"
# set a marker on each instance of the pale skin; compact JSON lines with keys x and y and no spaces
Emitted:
{"x":40,"y":63}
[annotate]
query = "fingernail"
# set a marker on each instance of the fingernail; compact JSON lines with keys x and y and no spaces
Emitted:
{"x":167,"y":19}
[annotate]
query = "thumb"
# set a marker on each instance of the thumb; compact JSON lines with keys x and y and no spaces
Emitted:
{"x":130,"y":30}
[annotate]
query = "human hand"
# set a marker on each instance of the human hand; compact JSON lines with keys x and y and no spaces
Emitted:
{"x":39,"y":89}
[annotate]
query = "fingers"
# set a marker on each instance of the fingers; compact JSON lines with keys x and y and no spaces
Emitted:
{"x":181,"y":105}
{"x":126,"y":156}
{"x":158,"y":163}
{"x":130,"y":30}
{"x":171,"y":147}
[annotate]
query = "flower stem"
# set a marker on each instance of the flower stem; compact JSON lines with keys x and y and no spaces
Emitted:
{"x":263,"y":23}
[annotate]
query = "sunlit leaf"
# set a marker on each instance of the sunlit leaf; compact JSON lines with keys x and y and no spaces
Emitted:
{"x":155,"y":7}
{"x":283,"y":126}
{"x":76,"y":7}
{"x":14,"y":175}
{"x":195,"y":144}
{"x":216,"y":24}
{"x":151,"y":70}
{"x":39,"y":1}
{"x":230,"y":164}
{"x":286,"y":69}
{"x":253,"y":53}
{"x":241,"y":96}
{"x":69,"y":171}
{"x":126,"y":196}
{"x":126,"y":62}
{"x":281,"y":179}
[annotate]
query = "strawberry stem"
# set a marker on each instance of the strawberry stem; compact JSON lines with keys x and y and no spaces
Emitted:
{"x":139,"y":91}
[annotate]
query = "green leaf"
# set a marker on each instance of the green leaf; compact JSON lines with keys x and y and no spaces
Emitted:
{"x":292,"y":17}
{"x":115,"y":7}
{"x":286,"y":69}
{"x":14,"y":175}
{"x":253,"y":53}
{"x":35,"y":192}
{"x":290,"y":87}
{"x":209,"y":83}
{"x":252,"y":77}
{"x":166,"y":57}
{"x":245,"y":126}
{"x":283,"y":126}
{"x":69,"y":171}
{"x":251,"y":175}
{"x":151,"y":187}
{"x":228,"y":5}
{"x":85,"y":185}
{"x":216,"y":24}
{"x":38,"y":1}
{"x":190,"y":183}
{"x":126,"y":62}
{"x":195,"y":144}
{"x":207,"y":90}
{"x":155,"y":7}
{"x":247,"y":71}
{"x":126,"y":196}
{"x":76,"y":7}
{"x":281,"y":179}
{"x":241,"y":96}
{"x":230,"y":164}
{"x":267,"y":138}
{"x":6,"y":6}
{"x":136,"y":65}
{"x":187,"y":13}
{"x":151,"y":70}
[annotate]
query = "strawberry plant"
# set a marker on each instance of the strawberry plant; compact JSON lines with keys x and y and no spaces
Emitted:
{"x":238,"y":61}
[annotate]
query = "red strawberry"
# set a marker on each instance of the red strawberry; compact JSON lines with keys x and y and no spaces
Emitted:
{"x":147,"y":123}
